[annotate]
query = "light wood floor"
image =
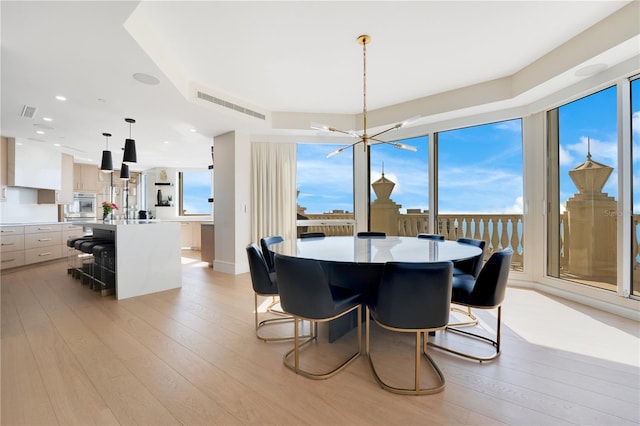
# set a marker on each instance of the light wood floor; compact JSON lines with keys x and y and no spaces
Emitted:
{"x":189,"y":356}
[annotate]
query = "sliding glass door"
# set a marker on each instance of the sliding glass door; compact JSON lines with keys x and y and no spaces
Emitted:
{"x":480,"y":186}
{"x":583,"y":190}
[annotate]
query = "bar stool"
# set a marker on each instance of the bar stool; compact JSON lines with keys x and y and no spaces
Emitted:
{"x":73,"y":254}
{"x":86,"y":258}
{"x":104,"y":276}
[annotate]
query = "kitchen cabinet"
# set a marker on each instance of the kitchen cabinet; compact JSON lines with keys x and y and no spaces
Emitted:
{"x":3,"y":161}
{"x":34,"y":243}
{"x":207,"y":243}
{"x":86,"y":178}
{"x":4,"y":180}
{"x":11,"y":246}
{"x":31,"y":165}
{"x":42,"y":242}
{"x":190,"y":235}
{"x":65,"y":194}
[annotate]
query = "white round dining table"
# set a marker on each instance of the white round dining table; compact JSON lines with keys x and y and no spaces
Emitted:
{"x":352,"y":249}
{"x":357,"y":263}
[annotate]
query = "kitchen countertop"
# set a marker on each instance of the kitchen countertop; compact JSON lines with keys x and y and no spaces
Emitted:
{"x":32,"y":223}
{"x":119,"y":222}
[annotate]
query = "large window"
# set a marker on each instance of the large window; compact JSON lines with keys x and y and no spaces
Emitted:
{"x":325,"y":188}
{"x":400,"y":199}
{"x":195,"y":191}
{"x":583,"y":190}
{"x":480,"y":185}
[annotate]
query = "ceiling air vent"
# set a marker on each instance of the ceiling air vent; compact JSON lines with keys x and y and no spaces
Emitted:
{"x":230,"y":105}
{"x":28,"y":111}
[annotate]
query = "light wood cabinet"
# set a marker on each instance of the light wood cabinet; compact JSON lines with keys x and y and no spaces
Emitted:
{"x":65,"y":194}
{"x":207,"y":243}
{"x":4,"y":181}
{"x":11,"y":246}
{"x":86,"y":178}
{"x":3,"y":161}
{"x":196,"y":235}
{"x":190,"y":235}
{"x":42,"y":243}
{"x":185,"y":235}
{"x":24,"y":245}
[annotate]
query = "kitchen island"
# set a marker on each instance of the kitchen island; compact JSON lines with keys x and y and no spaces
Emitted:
{"x":147,"y":254}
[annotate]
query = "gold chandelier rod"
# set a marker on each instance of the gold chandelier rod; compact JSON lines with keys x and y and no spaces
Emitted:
{"x":365,"y":138}
{"x":364,"y":40}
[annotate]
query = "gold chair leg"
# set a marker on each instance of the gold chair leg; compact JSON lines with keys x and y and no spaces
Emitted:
{"x":416,"y":390}
{"x":298,"y":346}
{"x":495,"y":343}
{"x":285,"y":318}
{"x":473,"y":320}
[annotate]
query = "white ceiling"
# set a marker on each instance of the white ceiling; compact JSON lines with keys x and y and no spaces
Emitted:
{"x":293,"y":56}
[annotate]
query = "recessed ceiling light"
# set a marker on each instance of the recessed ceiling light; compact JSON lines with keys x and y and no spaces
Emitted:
{"x":590,"y":70}
{"x":43,"y":126}
{"x":47,"y":118}
{"x":192,"y":130}
{"x":146,"y":78}
{"x":166,"y":142}
{"x":61,"y":98}
{"x":56,"y":144}
{"x":40,"y":132}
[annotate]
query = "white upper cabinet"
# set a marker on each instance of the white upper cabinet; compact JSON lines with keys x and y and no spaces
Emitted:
{"x":32,"y":165}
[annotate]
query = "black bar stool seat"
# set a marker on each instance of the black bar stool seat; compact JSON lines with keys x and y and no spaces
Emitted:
{"x":104,"y":268}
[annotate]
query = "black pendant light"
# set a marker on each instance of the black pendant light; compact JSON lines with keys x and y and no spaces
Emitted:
{"x":106,"y":166}
{"x":130,"y":146}
{"x":124,"y":172}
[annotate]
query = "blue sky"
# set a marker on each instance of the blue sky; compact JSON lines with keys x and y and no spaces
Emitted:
{"x":480,"y":167}
{"x":197,"y":190}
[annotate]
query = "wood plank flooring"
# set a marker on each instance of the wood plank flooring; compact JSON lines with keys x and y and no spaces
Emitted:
{"x":190,"y":356}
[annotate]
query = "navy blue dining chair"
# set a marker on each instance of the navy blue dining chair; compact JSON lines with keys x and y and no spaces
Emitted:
{"x":412,"y":298}
{"x":485,"y":292}
{"x":435,"y":237}
{"x":312,"y":235}
{"x":265,"y":283}
{"x":371,"y":234}
{"x":306,"y":294}
{"x":265,"y":242}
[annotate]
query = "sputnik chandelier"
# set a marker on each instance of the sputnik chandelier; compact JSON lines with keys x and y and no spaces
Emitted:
{"x":364,"y":138}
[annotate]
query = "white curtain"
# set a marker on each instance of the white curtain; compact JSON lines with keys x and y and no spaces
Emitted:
{"x":273,"y":190}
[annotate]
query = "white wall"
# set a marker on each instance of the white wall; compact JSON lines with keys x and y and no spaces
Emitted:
{"x":153,"y":176}
{"x":232,"y":214}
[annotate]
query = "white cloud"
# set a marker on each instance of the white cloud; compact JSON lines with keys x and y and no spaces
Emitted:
{"x":605,"y":152}
{"x":635,"y":122}
{"x":517,"y":207}
{"x":565,"y":157}
{"x":511,"y":125}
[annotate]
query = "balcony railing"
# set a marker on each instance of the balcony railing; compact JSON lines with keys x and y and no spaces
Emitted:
{"x":498,"y":230}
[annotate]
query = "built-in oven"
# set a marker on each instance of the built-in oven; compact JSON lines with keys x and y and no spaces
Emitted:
{"x":84,"y":206}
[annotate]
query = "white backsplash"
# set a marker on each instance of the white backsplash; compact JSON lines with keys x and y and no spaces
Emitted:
{"x":22,"y":207}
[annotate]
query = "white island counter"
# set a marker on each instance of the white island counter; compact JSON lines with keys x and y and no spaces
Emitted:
{"x":147,"y":253}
